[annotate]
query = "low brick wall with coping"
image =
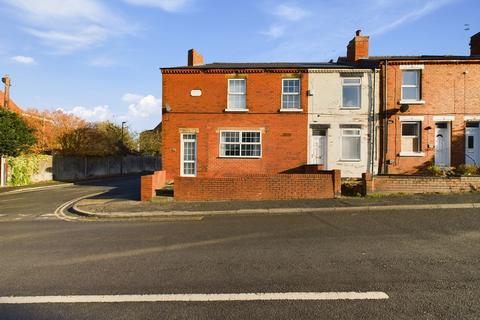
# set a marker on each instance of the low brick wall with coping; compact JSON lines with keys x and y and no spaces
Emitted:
{"x":282,"y":186}
{"x":419,"y":184}
{"x":150,"y":183}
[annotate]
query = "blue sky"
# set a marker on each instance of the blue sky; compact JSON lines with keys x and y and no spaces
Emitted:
{"x":99,"y":59}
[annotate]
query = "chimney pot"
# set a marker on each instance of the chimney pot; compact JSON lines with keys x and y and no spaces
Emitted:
{"x":358,"y":32}
{"x":194,"y":58}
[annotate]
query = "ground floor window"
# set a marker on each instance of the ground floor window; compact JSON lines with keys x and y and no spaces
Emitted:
{"x":189,"y":155}
{"x":241,"y":144}
{"x":351,"y":144}
{"x":411,"y":139}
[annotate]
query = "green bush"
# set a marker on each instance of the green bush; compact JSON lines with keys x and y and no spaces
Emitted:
{"x":466,"y":170}
{"x":435,"y":170}
{"x":21,"y":169}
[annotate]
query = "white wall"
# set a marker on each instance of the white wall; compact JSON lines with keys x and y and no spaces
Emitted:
{"x":324,"y":107}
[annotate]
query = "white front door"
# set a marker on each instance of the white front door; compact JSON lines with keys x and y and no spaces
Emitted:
{"x":318,"y":147}
{"x":188,"y":155}
{"x":472,"y":148}
{"x":442,"y":144}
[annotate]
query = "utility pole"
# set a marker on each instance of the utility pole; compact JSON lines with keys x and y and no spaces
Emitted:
{"x":6,"y":93}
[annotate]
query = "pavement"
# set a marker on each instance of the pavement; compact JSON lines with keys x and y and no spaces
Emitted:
{"x":105,"y":206}
{"x":424,"y":263}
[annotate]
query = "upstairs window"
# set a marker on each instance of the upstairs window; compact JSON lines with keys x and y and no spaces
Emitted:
{"x":411,"y":85}
{"x":237,"y":94}
{"x":351,"y":93}
{"x":411,"y":137}
{"x":291,"y":94}
{"x":241,"y":144}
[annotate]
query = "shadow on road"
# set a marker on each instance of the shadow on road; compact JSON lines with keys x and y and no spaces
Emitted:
{"x":121,"y":188}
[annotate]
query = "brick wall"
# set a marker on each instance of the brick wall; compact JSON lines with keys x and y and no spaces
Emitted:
{"x":448,"y":89}
{"x":284,"y":134}
{"x":419,"y":184}
{"x":150,"y":183}
{"x":324,"y":184}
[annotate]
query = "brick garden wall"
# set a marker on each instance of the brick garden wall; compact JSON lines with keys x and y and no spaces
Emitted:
{"x":419,"y":184}
{"x":324,"y":184}
{"x":150,"y":183}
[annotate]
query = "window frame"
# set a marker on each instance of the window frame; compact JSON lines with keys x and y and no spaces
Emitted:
{"x":359,"y":93}
{"x":417,"y":152}
{"x":418,"y":86}
{"x":244,"y":94}
{"x":240,"y":143}
{"x":299,"y":94}
{"x":182,"y":153}
{"x":360,"y":143}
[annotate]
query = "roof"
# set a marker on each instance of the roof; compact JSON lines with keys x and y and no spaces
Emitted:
{"x":422,"y":57}
{"x":267,"y":65}
{"x":12,"y":106}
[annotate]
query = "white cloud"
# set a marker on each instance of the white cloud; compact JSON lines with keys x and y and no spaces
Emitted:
{"x":274,"y":31}
{"x":290,"y":12}
{"x":413,"y":15}
{"x":69,"y":25}
{"x":24,"y":60}
{"x":326,"y":31}
{"x":104,"y":62}
{"x":167,"y":5}
{"x":143,"y":106}
{"x":98,"y":113}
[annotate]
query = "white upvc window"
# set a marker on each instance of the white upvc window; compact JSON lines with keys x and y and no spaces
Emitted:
{"x":411,"y":80}
{"x":351,"y":92}
{"x":241,"y":144}
{"x":351,"y":144}
{"x":290,"y":94}
{"x":188,"y":161}
{"x":411,"y":138}
{"x":237,"y":95}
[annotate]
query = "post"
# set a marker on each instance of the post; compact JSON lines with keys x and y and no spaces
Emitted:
{"x":121,"y":154}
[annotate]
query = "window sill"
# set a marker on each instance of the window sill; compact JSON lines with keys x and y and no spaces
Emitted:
{"x":236,"y":110}
{"x":350,"y":160}
{"x":411,"y":102}
{"x":412,"y":154}
{"x":290,"y":110}
{"x":238,"y":157}
{"x":350,"y":108}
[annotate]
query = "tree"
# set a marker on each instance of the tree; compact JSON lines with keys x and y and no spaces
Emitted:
{"x":150,"y":142}
{"x":97,"y":139}
{"x":50,"y":126}
{"x":15,"y":136}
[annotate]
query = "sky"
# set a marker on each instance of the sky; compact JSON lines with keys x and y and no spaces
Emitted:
{"x":100,"y":59}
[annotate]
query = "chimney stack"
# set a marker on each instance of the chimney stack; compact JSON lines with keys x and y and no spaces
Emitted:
{"x":475,"y":44}
{"x":6,"y":94}
{"x":357,"y":47}
{"x":194,"y":58}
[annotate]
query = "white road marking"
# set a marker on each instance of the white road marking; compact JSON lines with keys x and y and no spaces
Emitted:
{"x":48,"y":215}
{"x":2,"y":215}
{"x":59,"y":212}
{"x":197,"y":297}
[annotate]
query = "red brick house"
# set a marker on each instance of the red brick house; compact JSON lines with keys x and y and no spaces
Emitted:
{"x":229,"y":119}
{"x":430,"y":108}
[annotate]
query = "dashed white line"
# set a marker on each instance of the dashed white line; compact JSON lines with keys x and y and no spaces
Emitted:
{"x":197,"y":297}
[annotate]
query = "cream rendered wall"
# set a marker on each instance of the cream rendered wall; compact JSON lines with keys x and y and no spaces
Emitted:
{"x":325,"y":107}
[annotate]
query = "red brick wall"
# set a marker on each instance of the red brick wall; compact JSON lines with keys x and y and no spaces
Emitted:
{"x":150,"y":183}
{"x":447,"y":90}
{"x":259,"y":187}
{"x":418,"y":184}
{"x":284,"y":135}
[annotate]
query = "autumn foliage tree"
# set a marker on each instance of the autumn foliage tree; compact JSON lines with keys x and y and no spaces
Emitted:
{"x":97,"y":139}
{"x":49,"y":127}
{"x":150,"y":142}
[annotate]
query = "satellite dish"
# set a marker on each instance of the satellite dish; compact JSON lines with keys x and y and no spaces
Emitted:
{"x":404,"y":108}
